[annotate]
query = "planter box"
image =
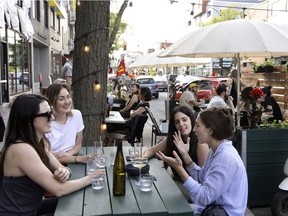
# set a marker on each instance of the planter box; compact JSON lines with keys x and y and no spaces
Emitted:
{"x":264,"y":152}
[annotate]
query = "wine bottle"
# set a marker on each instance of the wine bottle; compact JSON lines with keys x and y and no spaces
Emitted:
{"x":119,"y":174}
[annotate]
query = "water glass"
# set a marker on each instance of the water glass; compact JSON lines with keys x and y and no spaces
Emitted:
{"x":112,"y":158}
{"x":97,"y":151}
{"x":131,"y":152}
{"x":98,"y":182}
{"x":138,"y":149}
{"x":91,"y":166}
{"x":146,"y":182}
{"x":100,"y":162}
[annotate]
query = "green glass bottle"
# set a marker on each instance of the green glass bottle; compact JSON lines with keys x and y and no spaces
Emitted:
{"x":119,"y":174}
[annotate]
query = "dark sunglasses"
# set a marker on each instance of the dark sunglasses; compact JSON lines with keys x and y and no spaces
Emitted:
{"x":47,"y":114}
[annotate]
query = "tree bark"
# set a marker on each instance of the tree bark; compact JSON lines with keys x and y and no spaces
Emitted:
{"x":91,"y":29}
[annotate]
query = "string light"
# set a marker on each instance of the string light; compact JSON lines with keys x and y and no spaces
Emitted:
{"x":231,"y":7}
{"x":78,"y":2}
{"x":103,"y":126}
{"x":97,"y":85}
{"x":192,"y":11}
{"x":86,"y":48}
{"x":95,"y":30}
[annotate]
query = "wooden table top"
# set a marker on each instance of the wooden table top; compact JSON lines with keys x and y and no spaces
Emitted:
{"x":164,"y":199}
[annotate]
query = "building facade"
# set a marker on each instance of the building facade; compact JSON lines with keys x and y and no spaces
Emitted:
{"x":35,"y":35}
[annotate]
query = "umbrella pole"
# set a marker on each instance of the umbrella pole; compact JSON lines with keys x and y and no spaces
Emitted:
{"x":238,"y":88}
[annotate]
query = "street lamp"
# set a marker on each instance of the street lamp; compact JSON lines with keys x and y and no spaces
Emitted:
{"x":212,"y":8}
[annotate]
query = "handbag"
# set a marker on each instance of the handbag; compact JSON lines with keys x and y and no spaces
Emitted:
{"x":214,"y":210}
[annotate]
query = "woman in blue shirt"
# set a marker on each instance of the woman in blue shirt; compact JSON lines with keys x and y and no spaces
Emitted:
{"x":222,"y":180}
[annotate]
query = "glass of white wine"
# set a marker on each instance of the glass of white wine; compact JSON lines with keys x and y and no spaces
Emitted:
{"x":139,"y":161}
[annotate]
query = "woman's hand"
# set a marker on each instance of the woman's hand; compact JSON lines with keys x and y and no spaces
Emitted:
{"x":182,"y":147}
{"x":85,"y":158}
{"x":62,"y":174}
{"x":60,"y":154}
{"x":176,"y":162}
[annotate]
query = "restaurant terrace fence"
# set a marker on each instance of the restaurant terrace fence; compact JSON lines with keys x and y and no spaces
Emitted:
{"x":278,"y":80}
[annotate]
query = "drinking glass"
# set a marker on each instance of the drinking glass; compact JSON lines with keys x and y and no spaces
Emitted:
{"x":146,"y":182}
{"x":97,"y":151}
{"x":139,"y":161}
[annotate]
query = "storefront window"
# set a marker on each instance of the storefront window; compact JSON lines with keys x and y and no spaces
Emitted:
{"x":19,"y":75}
{"x":2,"y":34}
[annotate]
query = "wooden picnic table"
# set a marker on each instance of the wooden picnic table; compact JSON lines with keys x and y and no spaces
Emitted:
{"x":164,"y":199}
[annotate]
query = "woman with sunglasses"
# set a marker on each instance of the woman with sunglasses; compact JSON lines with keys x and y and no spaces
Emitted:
{"x":27,"y":168}
{"x":66,"y":136}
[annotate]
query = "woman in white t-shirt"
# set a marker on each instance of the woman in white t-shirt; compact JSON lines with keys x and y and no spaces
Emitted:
{"x":66,"y":136}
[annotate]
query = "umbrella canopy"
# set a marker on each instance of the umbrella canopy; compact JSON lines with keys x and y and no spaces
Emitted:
{"x":152,"y":60}
{"x":225,"y":39}
{"x":235,"y":38}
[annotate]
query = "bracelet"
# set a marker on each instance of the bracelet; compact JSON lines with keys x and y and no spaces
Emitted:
{"x":69,"y":171}
{"x":189,"y":164}
{"x":75,"y":159}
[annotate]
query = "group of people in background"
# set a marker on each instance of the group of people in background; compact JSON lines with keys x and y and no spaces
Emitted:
{"x":47,"y":135}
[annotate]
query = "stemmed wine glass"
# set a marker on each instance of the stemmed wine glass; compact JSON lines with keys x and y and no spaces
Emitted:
{"x":139,"y":161}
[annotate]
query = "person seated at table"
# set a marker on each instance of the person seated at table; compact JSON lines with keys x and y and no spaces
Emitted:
{"x":222,"y":99}
{"x":144,"y":96}
{"x":27,"y":168}
{"x":66,"y":135}
{"x":181,"y":121}
{"x":115,"y":87}
{"x":232,"y":84}
{"x":133,"y":101}
{"x":189,"y":98}
{"x":270,"y":105}
{"x":222,"y":181}
{"x":245,"y":106}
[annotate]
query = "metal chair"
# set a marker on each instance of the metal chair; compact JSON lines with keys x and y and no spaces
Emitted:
{"x":156,"y":131}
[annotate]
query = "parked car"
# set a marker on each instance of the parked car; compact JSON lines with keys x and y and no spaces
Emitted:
{"x":24,"y":78}
{"x":162,"y":82}
{"x":183,"y":80}
{"x":207,"y":87}
{"x":150,"y":83}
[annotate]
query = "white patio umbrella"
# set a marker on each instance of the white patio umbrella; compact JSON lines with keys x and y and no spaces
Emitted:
{"x":152,"y":60}
{"x":235,"y":38}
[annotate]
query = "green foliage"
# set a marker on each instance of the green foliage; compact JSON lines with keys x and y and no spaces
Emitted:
{"x":275,"y":124}
{"x":225,"y":14}
{"x":122,"y":28}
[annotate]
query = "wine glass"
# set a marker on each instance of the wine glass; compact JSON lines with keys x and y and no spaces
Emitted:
{"x":139,"y":161}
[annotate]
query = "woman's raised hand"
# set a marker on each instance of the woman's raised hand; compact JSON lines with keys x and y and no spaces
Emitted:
{"x":175,"y":162}
{"x":182,"y":147}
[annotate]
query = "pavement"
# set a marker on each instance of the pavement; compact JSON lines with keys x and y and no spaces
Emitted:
{"x":252,"y":211}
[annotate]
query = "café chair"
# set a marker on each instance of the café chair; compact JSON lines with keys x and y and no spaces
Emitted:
{"x":156,"y":130}
{"x":136,"y":128}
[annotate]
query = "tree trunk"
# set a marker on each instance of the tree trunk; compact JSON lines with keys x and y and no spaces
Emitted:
{"x":91,"y":29}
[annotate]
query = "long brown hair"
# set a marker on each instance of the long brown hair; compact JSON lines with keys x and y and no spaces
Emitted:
{"x":172,"y":129}
{"x":20,"y":127}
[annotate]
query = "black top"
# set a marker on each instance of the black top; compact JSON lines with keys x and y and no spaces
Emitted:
{"x":233,"y":93}
{"x":143,"y":104}
{"x":277,"y":114}
{"x":19,"y":196}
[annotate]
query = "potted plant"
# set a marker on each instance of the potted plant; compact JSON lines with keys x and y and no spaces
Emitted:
{"x":264,"y":67}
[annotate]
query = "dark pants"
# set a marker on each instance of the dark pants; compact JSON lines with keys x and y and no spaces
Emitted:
{"x":47,"y":206}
